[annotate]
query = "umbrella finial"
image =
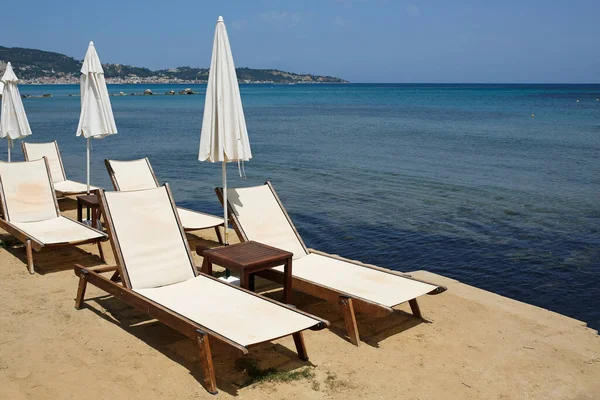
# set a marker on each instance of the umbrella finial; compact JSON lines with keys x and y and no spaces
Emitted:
{"x":91,"y":43}
{"x":220,"y":19}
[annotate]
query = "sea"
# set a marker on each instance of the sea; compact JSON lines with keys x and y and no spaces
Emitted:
{"x":497,"y":186}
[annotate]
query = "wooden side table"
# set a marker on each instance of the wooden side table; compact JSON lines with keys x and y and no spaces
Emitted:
{"x":248,"y":258}
{"x":90,"y":201}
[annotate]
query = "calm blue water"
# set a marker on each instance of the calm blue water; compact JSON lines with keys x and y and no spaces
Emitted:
{"x":456,"y":179}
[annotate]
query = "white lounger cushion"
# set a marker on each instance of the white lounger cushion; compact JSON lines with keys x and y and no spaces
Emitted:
{"x":244,"y":318}
{"x":153,"y":249}
{"x":71,"y":187}
{"x":57,"y":230}
{"x":133,"y":175}
{"x":35,"y":151}
{"x":192,"y":220}
{"x":370,"y":284}
{"x":138,"y":175}
{"x":63,"y":186}
{"x":262,"y":219}
{"x":27,"y":191}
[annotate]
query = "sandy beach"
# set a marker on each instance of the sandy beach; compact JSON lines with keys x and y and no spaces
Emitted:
{"x":474,"y":345}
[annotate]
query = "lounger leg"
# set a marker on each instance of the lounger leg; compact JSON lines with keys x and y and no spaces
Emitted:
{"x":414,"y":306}
{"x":81,"y":290}
{"x":101,"y":252}
{"x":218,"y":232}
{"x":29,"y":251}
{"x":300,"y":346}
{"x":347,"y":308}
{"x":206,"y":363}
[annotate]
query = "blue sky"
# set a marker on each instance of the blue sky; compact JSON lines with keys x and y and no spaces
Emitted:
{"x":360,"y":40}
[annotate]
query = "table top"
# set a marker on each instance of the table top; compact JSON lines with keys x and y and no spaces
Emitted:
{"x":88,"y":199}
{"x":247,"y":254}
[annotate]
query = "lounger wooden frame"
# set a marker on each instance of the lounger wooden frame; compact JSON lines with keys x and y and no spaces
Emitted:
{"x":202,"y":335}
{"x":347,"y":302}
{"x":31,"y":243}
{"x":115,"y":183}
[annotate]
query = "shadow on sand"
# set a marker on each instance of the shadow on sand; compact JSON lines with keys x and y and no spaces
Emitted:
{"x":50,"y":260}
{"x":183,"y":351}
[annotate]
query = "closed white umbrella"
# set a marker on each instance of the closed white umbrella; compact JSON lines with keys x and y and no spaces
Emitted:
{"x":13,"y":120}
{"x":224,"y":136}
{"x":96,"y":119}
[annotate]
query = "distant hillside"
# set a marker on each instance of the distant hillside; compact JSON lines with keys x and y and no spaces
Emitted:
{"x":39,"y":66}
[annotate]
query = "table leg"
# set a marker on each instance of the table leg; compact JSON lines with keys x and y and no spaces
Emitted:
{"x":88,"y":213}
{"x":251,"y":282}
{"x":287,"y":282}
{"x":79,"y":210}
{"x":244,"y":280}
{"x":94,"y":217}
{"x":207,"y":266}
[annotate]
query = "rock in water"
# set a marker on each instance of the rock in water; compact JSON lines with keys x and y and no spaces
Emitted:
{"x":187,"y":91}
{"x":170,"y":92}
{"x":148,"y":92}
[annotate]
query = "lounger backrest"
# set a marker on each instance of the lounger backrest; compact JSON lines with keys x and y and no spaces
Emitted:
{"x":35,"y":151}
{"x":147,"y":237}
{"x":27,"y":191}
{"x":131,"y":175}
{"x":261,"y":218}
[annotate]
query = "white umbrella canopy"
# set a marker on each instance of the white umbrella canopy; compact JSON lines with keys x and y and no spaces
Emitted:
{"x":224,"y":137}
{"x":13,"y":120}
{"x":96,"y":119}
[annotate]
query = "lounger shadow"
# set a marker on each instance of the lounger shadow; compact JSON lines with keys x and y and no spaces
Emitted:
{"x":159,"y":277}
{"x":179,"y":349}
{"x":256,"y":213}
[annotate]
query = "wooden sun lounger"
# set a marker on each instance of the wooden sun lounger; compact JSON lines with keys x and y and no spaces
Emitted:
{"x":138,"y":174}
{"x":159,"y":278}
{"x":62,"y":185}
{"x":30,"y":210}
{"x":256,"y":213}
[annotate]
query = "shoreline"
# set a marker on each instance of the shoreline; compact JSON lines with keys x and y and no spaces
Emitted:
{"x":473,"y":344}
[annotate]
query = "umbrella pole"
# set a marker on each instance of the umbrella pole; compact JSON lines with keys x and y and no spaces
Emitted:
{"x":224,"y":171}
{"x":88,"y":165}
{"x":9,"y":143}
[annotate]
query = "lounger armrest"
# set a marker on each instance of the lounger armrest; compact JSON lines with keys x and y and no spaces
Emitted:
{"x":438,"y":288}
{"x":20,"y":235}
{"x":319,"y":324}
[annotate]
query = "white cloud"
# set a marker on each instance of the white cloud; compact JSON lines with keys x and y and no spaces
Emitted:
{"x":413,"y":10}
{"x":238,"y":24}
{"x":281,"y":18}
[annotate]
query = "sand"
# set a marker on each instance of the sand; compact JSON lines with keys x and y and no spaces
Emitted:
{"x":474,"y":345}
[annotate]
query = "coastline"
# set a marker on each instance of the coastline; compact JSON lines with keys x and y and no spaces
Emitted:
{"x":172,"y":82}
